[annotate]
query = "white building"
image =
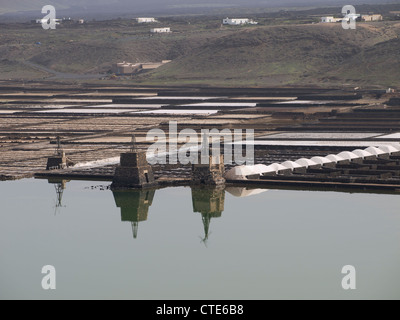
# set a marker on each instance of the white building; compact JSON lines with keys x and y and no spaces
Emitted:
{"x":352,"y":16}
{"x":160,"y":30}
{"x":330,"y":20}
{"x":348,"y":17}
{"x":237,"y":22}
{"x":46,"y":21}
{"x":146,"y":20}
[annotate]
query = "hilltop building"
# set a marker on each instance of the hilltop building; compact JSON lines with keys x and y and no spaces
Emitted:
{"x":367,"y":18}
{"x":237,"y":22}
{"x":65,"y":21}
{"x":371,"y":17}
{"x":127,"y":68}
{"x":160,"y":30}
{"x":330,"y":19}
{"x":146,"y":20}
{"x":123,"y":68}
{"x":44,"y":21}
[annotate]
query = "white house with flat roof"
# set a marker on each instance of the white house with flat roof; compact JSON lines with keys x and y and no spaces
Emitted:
{"x":44,"y":21}
{"x":330,"y":19}
{"x":160,"y":30}
{"x":352,"y":16}
{"x":237,"y":22}
{"x":347,"y":17}
{"x":146,"y":20}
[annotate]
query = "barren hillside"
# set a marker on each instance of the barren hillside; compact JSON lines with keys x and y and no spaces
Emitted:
{"x":205,"y":53}
{"x":295,"y":54}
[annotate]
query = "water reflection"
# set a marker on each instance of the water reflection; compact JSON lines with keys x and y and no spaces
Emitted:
{"x":309,"y":236}
{"x":59,"y":185}
{"x":242,"y":192}
{"x":134,"y":206}
{"x":210,"y":203}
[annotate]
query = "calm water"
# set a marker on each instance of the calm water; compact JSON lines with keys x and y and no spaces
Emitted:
{"x":273,"y":244}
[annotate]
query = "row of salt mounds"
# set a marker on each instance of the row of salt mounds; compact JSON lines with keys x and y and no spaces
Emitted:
{"x":242,"y":172}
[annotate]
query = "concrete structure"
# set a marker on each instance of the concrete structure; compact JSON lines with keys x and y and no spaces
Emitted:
{"x":146,"y":20}
{"x":59,"y":160}
{"x":134,"y":172}
{"x":371,"y":17}
{"x":237,"y":22}
{"x":365,"y":155}
{"x":211,"y":173}
{"x":160,"y":30}
{"x":125,"y":68}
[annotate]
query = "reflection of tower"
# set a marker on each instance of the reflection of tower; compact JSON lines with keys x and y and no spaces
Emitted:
{"x":210,"y":203}
{"x":59,"y":186}
{"x":134,"y":206}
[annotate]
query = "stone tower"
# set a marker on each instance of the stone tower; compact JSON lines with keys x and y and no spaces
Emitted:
{"x":134,"y":172}
{"x":59,"y":160}
{"x":210,"y":170}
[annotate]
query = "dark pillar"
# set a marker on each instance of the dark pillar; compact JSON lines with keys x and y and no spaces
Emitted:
{"x":133,"y":172}
{"x":211,"y":173}
{"x":58,"y":161}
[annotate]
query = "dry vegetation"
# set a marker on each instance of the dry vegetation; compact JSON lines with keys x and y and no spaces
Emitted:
{"x":204,"y":52}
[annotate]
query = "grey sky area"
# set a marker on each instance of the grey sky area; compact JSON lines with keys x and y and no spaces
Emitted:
{"x":110,"y":8}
